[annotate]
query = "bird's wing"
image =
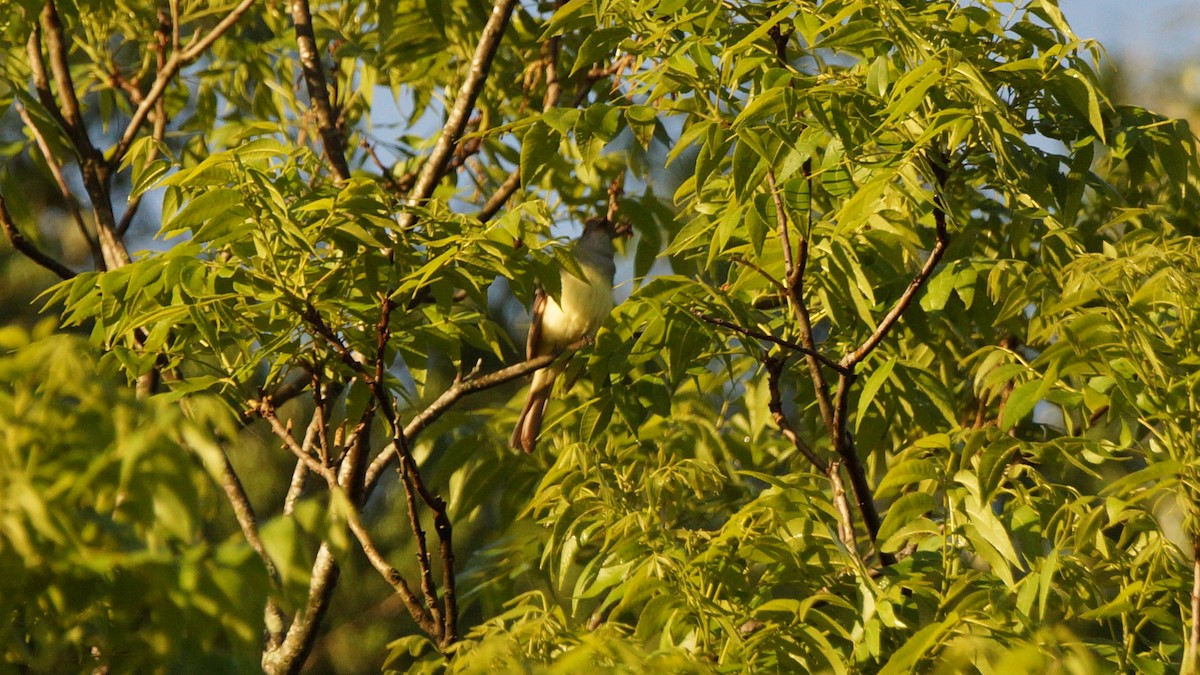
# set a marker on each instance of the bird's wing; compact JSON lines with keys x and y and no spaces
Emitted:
{"x":535,"y":324}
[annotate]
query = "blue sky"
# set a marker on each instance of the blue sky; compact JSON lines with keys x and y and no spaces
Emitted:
{"x":1142,"y":30}
{"x":1154,"y":44}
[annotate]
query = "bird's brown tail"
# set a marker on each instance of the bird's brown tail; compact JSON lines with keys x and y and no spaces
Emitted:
{"x":529,"y":424}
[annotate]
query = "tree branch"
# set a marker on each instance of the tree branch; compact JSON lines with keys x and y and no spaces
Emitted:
{"x":1191,"y":663}
{"x":26,"y":248}
{"x":456,"y":121}
{"x":295,"y":487}
{"x":432,"y":619}
{"x":440,"y":622}
{"x":41,"y":82}
{"x":497,"y":200}
{"x":833,"y":413}
{"x":92,"y":168}
{"x":550,"y":50}
{"x":794,"y":267}
{"x":863,"y":495}
{"x":243,"y":512}
{"x":56,"y":46}
{"x":289,"y":655}
{"x":61,"y":181}
{"x":409,"y":474}
{"x":310,"y":314}
{"x":286,"y":653}
{"x":788,"y":344}
{"x":843,"y":440}
{"x":414,"y":486}
{"x":267,"y":412}
{"x":935,"y":256}
{"x":318,"y":92}
{"x":441,"y":525}
{"x":762,"y":273}
{"x":774,"y":371}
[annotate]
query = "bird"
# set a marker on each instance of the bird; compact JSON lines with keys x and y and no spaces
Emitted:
{"x":583,"y":304}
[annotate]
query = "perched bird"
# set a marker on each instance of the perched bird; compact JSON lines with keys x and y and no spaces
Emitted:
{"x":581,"y":308}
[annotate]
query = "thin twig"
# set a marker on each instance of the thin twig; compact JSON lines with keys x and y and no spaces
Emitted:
{"x":789,"y":264}
{"x":318,"y":92}
{"x":375,"y":381}
{"x":397,"y":187}
{"x":26,"y":247}
{"x":775,"y":406}
{"x":243,"y":512}
{"x":750,"y":332}
{"x":267,"y":412}
{"x":763,"y":273}
{"x":889,"y":320}
{"x":348,"y":357}
{"x":408,"y":477}
{"x":616,"y":189}
{"x":497,"y":200}
{"x":431,"y":620}
{"x":446,"y":615}
{"x":318,"y":427}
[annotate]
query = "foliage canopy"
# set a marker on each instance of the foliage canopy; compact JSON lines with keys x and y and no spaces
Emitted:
{"x":905,"y":376}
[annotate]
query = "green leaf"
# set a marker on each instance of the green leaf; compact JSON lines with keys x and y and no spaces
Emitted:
{"x":223,"y":203}
{"x":539,"y":146}
{"x":598,"y":45}
{"x":906,"y":473}
{"x":1020,"y":403}
{"x":870,"y":388}
{"x":905,"y":509}
{"x":917,"y":647}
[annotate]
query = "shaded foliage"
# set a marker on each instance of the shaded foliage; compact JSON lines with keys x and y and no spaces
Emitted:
{"x":905,"y":379}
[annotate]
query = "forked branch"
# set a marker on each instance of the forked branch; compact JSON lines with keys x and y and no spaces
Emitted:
{"x":832,"y":470}
{"x":178,"y":59}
